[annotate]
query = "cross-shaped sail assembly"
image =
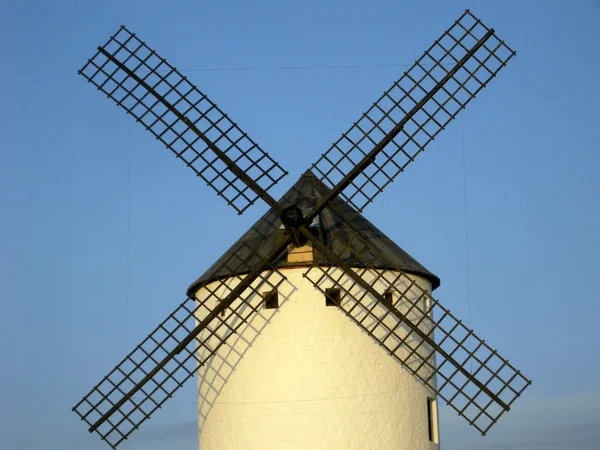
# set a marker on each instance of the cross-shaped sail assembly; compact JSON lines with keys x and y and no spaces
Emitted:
{"x":421,"y":334}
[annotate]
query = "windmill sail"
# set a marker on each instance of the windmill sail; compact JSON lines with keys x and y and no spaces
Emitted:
{"x":413,"y":111}
{"x":192,"y":334}
{"x":184,"y":119}
{"x":358,"y":167}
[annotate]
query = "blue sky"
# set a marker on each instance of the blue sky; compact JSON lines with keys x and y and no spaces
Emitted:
{"x":79,"y":289}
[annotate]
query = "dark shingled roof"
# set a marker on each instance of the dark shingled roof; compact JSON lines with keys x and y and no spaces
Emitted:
{"x":333,"y":230}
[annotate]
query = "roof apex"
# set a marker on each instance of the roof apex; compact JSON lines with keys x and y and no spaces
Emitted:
{"x":334,"y":230}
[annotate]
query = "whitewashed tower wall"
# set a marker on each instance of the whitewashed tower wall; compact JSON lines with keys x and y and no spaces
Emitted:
{"x":304,"y":376}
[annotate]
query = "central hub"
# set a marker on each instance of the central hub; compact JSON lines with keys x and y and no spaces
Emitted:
{"x":292,"y":218}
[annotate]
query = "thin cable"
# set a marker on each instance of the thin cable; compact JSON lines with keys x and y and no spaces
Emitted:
{"x":464,"y":162}
{"x":308,"y":400}
{"x":265,"y":68}
{"x":316,"y":67}
{"x":127,"y":251}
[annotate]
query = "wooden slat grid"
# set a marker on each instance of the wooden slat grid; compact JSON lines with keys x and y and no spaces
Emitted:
{"x":401,"y":97}
{"x":146,"y":356}
{"x":158,"y":96}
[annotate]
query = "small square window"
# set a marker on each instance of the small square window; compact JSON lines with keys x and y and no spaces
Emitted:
{"x":271,"y":299}
{"x":332,"y":297}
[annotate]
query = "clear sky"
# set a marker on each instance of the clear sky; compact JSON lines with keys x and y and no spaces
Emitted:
{"x":103,"y":230}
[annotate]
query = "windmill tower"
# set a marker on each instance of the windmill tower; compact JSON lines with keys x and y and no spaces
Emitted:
{"x":312,"y":378}
{"x":314,"y":330}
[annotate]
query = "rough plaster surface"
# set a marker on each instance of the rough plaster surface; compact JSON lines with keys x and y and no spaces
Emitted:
{"x":304,"y":376}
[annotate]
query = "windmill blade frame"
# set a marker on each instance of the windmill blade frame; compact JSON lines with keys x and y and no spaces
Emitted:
{"x":413,"y":111}
{"x":183,"y":118}
{"x":170,"y":355}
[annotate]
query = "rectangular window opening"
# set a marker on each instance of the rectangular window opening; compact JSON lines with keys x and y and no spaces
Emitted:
{"x":432,"y":426}
{"x":332,"y":297}
{"x":271,"y":299}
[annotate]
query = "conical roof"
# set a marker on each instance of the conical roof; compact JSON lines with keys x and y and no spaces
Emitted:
{"x":335,"y":226}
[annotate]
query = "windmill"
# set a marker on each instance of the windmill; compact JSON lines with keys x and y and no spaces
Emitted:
{"x":256,"y":327}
